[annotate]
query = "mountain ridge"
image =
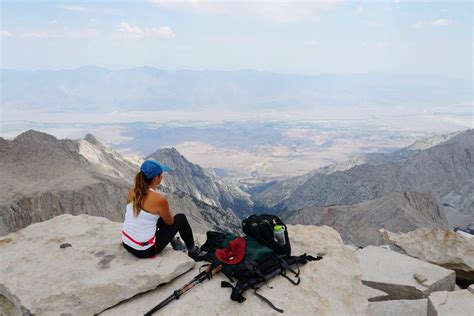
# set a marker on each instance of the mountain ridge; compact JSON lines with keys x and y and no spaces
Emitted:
{"x":446,"y":169}
{"x":48,"y":177}
{"x":359,"y":224}
{"x":205,"y":183}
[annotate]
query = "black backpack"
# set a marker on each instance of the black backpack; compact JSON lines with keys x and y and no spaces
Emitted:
{"x":259,"y":265}
{"x":252,"y":275}
{"x":261,"y":227}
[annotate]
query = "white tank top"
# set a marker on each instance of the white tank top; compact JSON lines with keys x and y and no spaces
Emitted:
{"x":141,"y":228}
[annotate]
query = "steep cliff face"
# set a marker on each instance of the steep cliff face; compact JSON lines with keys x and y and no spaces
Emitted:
{"x":359,"y":223}
{"x":43,"y":177}
{"x":201,"y":216}
{"x":202,"y":183}
{"x":446,"y":170}
{"x":102,"y":198}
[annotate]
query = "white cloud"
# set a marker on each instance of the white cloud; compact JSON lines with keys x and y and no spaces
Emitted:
{"x":374,"y":24}
{"x":126,"y":29}
{"x":4,"y":33}
{"x":359,"y":10}
{"x":228,"y":39}
{"x":286,"y":12}
{"x":382,"y":44}
{"x":441,"y":22}
{"x":52,"y":22}
{"x":84,"y":33}
{"x":438,"y":22}
{"x":76,"y":8}
{"x":162,"y":31}
{"x":130,"y":31}
{"x":38,"y":34}
{"x":311,"y":43}
{"x":65,"y":33}
{"x":418,"y":25}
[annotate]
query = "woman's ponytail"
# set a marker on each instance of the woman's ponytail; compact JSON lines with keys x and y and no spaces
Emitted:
{"x":140,"y":191}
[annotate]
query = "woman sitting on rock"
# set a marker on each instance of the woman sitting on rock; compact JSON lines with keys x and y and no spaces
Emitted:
{"x":149,"y":224}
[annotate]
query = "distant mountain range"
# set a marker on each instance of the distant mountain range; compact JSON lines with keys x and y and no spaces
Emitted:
{"x":443,"y":168}
{"x":147,"y":88}
{"x":43,"y":177}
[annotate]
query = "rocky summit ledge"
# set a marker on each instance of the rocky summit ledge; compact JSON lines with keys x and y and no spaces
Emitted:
{"x":459,"y":303}
{"x":452,"y":250}
{"x":331,"y":286}
{"x":76,"y":265}
{"x":397,"y":274}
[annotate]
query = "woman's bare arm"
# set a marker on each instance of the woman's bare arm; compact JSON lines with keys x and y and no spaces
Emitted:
{"x":164,"y":210}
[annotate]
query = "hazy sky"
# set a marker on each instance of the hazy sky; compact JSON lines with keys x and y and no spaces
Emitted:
{"x":429,"y":37}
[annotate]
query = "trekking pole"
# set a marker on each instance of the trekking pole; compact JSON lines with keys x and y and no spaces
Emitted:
{"x":206,"y":274}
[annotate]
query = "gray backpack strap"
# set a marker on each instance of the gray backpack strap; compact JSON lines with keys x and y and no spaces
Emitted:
{"x":266,"y":300}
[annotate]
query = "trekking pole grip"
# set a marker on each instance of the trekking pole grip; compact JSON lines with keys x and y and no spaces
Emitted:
{"x":217,"y":269}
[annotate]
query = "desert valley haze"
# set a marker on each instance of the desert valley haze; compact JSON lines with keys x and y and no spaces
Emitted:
{"x":349,"y":123}
{"x":246,"y":125}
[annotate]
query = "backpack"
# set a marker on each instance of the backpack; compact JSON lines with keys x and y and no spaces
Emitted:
{"x":261,"y":227}
{"x":259,"y":264}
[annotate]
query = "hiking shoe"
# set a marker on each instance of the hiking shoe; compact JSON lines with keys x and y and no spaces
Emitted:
{"x":177,"y":244}
{"x":197,"y":254}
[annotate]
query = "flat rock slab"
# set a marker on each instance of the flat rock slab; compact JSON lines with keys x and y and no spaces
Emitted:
{"x":452,"y":250}
{"x":331,"y":286}
{"x":399,"y":307}
{"x":392,"y":273}
{"x":458,"y":303}
{"x":77,"y":265}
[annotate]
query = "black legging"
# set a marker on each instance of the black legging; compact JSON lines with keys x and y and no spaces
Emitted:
{"x":164,"y":234}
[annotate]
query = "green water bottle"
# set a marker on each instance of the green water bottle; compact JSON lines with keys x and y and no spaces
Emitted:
{"x":279,"y":234}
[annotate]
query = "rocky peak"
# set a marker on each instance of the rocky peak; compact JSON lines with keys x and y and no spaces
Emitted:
{"x":34,"y":136}
{"x":429,"y":142}
{"x":465,"y":138}
{"x":45,"y":176}
{"x":91,"y":139}
{"x":201,"y":183}
{"x":169,"y":156}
